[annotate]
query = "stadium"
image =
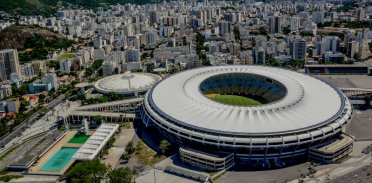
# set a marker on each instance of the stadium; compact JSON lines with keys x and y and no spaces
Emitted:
{"x":249,"y":115}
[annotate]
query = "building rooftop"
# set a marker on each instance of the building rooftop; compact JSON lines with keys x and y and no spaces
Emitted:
{"x":96,"y":142}
{"x":128,"y":83}
{"x":340,"y":143}
{"x":308,"y":103}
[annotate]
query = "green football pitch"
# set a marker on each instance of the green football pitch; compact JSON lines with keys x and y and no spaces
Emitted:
{"x":235,"y":100}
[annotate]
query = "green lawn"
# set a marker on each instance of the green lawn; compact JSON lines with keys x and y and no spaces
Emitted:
{"x":146,"y":155}
{"x":235,"y":100}
{"x":7,"y":178}
{"x":65,"y":56}
{"x":8,"y":152}
{"x":81,"y":139}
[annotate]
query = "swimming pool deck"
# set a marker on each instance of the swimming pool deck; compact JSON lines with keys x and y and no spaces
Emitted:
{"x":51,"y":152}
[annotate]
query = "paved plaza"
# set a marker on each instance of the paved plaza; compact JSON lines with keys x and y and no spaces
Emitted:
{"x":157,"y":176}
{"x":361,"y":125}
{"x":115,"y":152}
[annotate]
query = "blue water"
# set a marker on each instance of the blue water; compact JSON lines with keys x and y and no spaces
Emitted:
{"x":59,"y":159}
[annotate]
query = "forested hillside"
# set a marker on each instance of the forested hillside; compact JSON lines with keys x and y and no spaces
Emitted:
{"x":49,"y":7}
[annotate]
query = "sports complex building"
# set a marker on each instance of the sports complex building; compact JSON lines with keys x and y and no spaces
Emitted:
{"x":130,"y":84}
{"x":246,"y":115}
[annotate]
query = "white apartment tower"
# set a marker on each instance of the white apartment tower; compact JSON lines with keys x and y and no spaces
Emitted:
{"x":9,"y":63}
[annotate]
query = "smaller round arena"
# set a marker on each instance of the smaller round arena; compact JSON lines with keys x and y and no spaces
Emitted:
{"x":127,"y":84}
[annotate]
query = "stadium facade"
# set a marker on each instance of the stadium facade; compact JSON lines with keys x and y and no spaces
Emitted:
{"x":301,"y":117}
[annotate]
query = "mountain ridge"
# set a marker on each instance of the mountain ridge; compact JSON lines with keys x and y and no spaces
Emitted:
{"x":49,"y":7}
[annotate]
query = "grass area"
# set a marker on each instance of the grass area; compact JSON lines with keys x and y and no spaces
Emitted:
{"x":217,"y":177}
{"x":126,"y":125}
{"x":7,"y":178}
{"x":4,"y":171}
{"x":235,"y":100}
{"x":79,"y":139}
{"x":146,"y":155}
{"x":65,"y":56}
{"x":8,"y":152}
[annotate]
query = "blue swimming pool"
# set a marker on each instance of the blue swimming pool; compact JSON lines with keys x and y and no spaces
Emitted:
{"x":59,"y":159}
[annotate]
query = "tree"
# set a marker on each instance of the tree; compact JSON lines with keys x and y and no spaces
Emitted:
{"x":89,"y":71}
{"x":4,"y":127}
{"x":121,"y":175}
{"x":206,"y":62}
{"x":53,"y":64}
{"x":97,"y":64}
{"x":286,"y":30}
{"x":325,"y":24}
{"x":42,"y":96}
{"x":125,"y":157}
{"x":270,"y":61}
{"x":22,"y":90}
{"x":145,"y":55}
{"x":79,"y":96}
{"x":87,"y":171}
{"x":76,"y":81}
{"x":112,"y":96}
{"x":98,"y":119}
{"x":200,"y":40}
{"x":236,"y":33}
{"x":306,"y":33}
{"x":129,"y":148}
{"x":23,"y":104}
{"x":164,"y":146}
{"x":262,"y":31}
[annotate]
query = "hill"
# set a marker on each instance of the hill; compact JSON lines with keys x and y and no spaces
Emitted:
{"x":49,"y":7}
{"x":29,"y":7}
{"x":33,"y":42}
{"x":15,"y":37}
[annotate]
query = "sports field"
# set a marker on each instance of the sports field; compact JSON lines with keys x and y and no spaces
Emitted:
{"x":235,"y":100}
{"x":78,"y":139}
{"x":65,"y":56}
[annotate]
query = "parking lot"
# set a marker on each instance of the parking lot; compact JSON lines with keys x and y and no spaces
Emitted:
{"x":361,"y":125}
{"x":348,"y":81}
{"x":265,"y":176}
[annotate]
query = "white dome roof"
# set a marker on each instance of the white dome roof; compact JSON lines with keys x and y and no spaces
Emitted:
{"x":127,"y":83}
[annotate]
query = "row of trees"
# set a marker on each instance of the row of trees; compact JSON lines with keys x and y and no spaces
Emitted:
{"x":95,"y":172}
{"x":200,"y":40}
{"x":352,"y":25}
{"x":292,"y":64}
{"x":112,"y":96}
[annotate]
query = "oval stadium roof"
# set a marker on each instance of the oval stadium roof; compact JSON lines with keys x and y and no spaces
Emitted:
{"x":308,"y":103}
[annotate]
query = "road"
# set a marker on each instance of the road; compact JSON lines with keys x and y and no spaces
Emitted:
{"x":362,"y":175}
{"x":19,"y":151}
{"x":17,"y":131}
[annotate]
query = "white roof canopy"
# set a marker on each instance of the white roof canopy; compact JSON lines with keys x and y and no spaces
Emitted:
{"x":90,"y":149}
